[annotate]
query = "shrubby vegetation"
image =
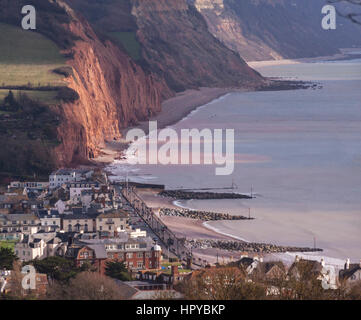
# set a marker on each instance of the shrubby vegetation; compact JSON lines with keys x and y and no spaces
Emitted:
{"x":56,"y":268}
{"x":86,"y":286}
{"x":28,"y":132}
{"x":7,"y":258}
{"x":117,"y":270}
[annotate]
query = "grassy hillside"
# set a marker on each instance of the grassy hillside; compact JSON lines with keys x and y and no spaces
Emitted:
{"x":27,"y":58}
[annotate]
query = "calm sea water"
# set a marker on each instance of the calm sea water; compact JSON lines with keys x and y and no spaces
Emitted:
{"x":299,"y":150}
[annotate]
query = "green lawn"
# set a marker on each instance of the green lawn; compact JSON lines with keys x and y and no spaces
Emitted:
{"x":8,"y":244}
{"x":169,"y":271}
{"x":128,"y":41}
{"x":27,"y":57}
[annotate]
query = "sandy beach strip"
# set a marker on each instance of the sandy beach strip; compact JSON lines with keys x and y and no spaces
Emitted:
{"x":178,"y":107}
{"x":173,"y":110}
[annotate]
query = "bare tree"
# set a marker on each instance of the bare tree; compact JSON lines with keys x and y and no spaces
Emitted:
{"x":86,"y":286}
{"x":224,"y":283}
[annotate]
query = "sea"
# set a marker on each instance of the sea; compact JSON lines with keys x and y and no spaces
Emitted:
{"x":297,"y":152}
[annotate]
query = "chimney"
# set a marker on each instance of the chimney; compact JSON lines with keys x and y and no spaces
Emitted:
{"x":189,"y":262}
{"x":347,"y":264}
{"x":322,"y":262}
{"x":175,"y":271}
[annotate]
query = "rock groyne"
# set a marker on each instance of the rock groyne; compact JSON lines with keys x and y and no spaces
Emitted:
{"x":245,"y":246}
{"x":190,"y":195}
{"x":200,"y":215}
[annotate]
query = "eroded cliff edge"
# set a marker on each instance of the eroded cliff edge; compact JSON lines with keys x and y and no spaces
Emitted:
{"x":126,"y":58}
{"x":114,"y":93}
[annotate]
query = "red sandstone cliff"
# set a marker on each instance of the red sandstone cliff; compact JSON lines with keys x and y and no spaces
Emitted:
{"x":114,"y":93}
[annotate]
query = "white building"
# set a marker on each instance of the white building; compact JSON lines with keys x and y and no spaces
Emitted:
{"x":138,"y":233}
{"x":50,"y":221}
{"x":112,"y":223}
{"x":34,"y":246}
{"x":62,"y":176}
{"x":29,"y":185}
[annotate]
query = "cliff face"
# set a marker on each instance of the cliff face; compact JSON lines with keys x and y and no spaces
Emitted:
{"x":177,"y":45}
{"x":275,"y":29}
{"x":174,"y":42}
{"x":126,"y":57}
{"x":114,"y":93}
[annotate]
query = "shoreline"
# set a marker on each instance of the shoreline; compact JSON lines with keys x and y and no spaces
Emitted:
{"x":173,"y":111}
{"x":346,"y":54}
{"x":193,"y":229}
{"x":180,"y":107}
{"x":187,"y":227}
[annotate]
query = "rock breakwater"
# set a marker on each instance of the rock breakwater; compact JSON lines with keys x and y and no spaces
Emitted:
{"x":190,"y":195}
{"x":245,"y":246}
{"x":199,"y":215}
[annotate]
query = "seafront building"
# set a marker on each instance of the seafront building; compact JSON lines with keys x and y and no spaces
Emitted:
{"x":81,"y":217}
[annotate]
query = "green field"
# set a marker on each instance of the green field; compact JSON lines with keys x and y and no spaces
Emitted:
{"x":27,"y":57}
{"x":128,"y":41}
{"x":8,"y":244}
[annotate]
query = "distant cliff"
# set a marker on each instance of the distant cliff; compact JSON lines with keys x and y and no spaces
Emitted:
{"x":276,"y":29}
{"x":174,"y":42}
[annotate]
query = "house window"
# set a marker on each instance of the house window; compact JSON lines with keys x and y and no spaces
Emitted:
{"x":86,"y":255}
{"x":110,"y":228}
{"x":140,"y":254}
{"x":129,"y":255}
{"x":140,"y":265}
{"x":100,"y":228}
{"x":70,"y":228}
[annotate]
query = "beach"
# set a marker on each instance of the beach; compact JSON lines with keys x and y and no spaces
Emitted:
{"x":191,"y":229}
{"x":300,"y":151}
{"x":173,"y":110}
